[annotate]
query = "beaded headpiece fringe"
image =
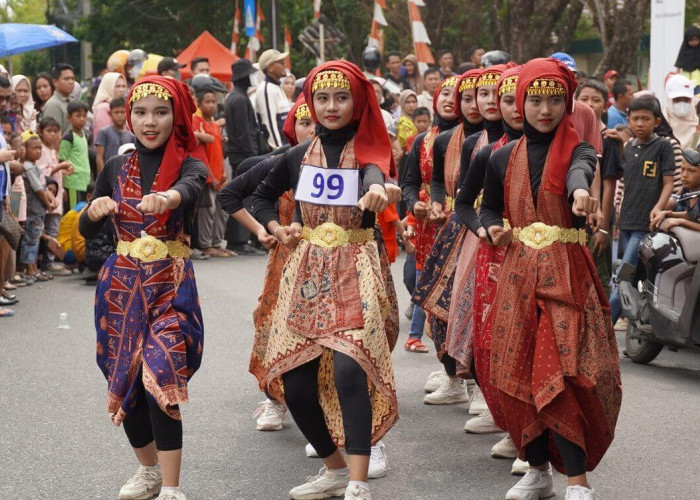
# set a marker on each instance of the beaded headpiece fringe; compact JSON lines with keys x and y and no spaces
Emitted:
{"x":330,"y":79}
{"x":146,"y":89}
{"x":546,"y":86}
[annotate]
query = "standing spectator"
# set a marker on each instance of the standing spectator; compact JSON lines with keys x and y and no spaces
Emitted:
{"x":271,"y":103}
{"x":379,"y":93}
{"x":405,"y":128}
{"x":42,"y":90}
{"x":200,"y":65}
{"x":476,"y":52}
{"x":169,"y":66}
{"x":112,"y":86}
{"x":57,"y":106}
{"x":393,"y":66}
{"x":23,"y":104}
{"x":431,"y":82}
{"x":688,"y":61}
{"x":111,"y":137}
{"x":679,"y":110}
{"x":648,"y":168}
{"x":6,"y":155}
{"x":446,"y":61}
{"x":623,"y":93}
{"x":609,"y":79}
{"x":241,"y":126}
{"x":413,"y":76}
{"x":288,"y":86}
{"x":74,"y":148}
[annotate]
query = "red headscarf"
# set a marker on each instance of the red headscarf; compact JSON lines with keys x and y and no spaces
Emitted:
{"x":470,"y":77}
{"x":291,"y":120}
{"x":182,"y":139}
{"x":551,"y":75}
{"x":372,"y":144}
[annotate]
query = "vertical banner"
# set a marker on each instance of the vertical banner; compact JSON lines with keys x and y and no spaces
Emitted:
{"x":287,"y":48}
{"x":667,"y":27}
{"x":421,"y":40}
{"x":236,"y":29}
{"x":317,"y":9}
{"x":249,"y":12}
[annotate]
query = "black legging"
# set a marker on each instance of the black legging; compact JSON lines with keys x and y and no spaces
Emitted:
{"x":450,"y":364}
{"x":301,"y":396}
{"x":537,"y":453}
{"x":146,"y":421}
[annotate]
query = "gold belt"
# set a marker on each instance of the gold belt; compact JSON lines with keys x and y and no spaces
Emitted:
{"x":539,"y":235}
{"x":329,"y":235}
{"x":449,"y":203}
{"x":148,"y":248}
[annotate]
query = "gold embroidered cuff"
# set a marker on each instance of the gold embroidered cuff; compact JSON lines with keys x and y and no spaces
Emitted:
{"x":329,"y":235}
{"x":539,"y":235}
{"x":449,"y":203}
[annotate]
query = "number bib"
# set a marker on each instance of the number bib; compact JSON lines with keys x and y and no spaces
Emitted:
{"x":328,"y":186}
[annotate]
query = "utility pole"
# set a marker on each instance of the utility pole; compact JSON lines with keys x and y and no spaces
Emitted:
{"x":273,"y":6}
{"x":86,"y":47}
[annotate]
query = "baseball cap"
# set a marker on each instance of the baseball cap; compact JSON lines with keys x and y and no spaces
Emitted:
{"x":610,"y":73}
{"x":566,"y":59}
{"x":679,"y":86}
{"x":169,"y":63}
{"x":271,"y":56}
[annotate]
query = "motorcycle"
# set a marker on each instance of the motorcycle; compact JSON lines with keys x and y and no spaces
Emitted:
{"x":661,"y":297}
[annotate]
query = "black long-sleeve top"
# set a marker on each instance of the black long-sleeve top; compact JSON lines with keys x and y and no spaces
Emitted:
{"x":249,"y":163}
{"x":284,"y":174}
{"x":580,"y":176}
{"x":231,"y":196}
{"x":192,"y":179}
{"x":412,"y":179}
{"x":241,"y":126}
{"x":494,"y":130}
{"x":473,"y":181}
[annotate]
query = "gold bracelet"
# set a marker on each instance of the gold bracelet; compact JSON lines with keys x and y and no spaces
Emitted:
{"x":274,"y":233}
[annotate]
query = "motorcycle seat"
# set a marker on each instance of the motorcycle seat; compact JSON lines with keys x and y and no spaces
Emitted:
{"x":690,"y":242}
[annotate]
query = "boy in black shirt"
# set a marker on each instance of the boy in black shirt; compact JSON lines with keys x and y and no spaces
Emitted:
{"x":647,"y":167}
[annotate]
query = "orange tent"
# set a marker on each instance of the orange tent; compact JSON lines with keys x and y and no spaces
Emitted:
{"x":220,"y":57}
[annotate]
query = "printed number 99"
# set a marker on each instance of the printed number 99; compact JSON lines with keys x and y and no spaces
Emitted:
{"x":334,"y":184}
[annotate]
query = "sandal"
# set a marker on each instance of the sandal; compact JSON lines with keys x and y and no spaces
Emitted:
{"x":8,"y":295}
{"x":415,"y":345}
{"x":9,"y":286}
{"x":6,"y":313}
{"x":17,"y":280}
{"x":215,"y":252}
{"x":39,"y":277}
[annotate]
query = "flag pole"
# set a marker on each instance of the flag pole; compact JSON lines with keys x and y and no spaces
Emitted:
{"x":273,"y":6}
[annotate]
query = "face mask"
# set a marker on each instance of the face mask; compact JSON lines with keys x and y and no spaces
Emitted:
{"x":681,"y":109}
{"x":254,"y":80}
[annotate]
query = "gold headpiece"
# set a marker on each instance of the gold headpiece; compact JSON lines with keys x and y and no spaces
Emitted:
{"x":302,"y":112}
{"x":330,"y":79}
{"x":467,"y":84}
{"x":28,"y":134}
{"x":450,"y":82}
{"x":487,"y":79}
{"x":508,"y":85}
{"x":546,"y":86}
{"x":146,"y":89}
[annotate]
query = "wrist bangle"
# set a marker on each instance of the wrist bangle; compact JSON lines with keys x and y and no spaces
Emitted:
{"x":274,"y":233}
{"x":164,"y":195}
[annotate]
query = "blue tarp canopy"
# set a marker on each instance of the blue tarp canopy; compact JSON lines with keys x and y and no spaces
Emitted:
{"x":18,"y":38}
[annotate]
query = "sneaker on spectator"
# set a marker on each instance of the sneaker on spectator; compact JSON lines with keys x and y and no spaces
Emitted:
{"x":270,"y":415}
{"x":519,"y":467}
{"x":311,"y":451}
{"x":482,"y":424}
{"x":144,"y":484}
{"x":58,"y":270}
{"x":357,"y":492}
{"x":477,"y":403}
{"x":197,"y":254}
{"x":326,"y":484}
{"x":171,"y":495}
{"x":451,"y":391}
{"x":505,"y":448}
{"x":579,"y":493}
{"x":435,"y":380}
{"x":409,"y":312}
{"x":378,"y":466}
{"x":536,"y":484}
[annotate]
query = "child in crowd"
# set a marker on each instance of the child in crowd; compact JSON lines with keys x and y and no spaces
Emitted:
{"x":685,"y":213}
{"x":211,"y":219}
{"x":50,"y":135}
{"x":647,"y":167}
{"x":74,"y":148}
{"x":421,"y":119}
{"x":111,"y":137}
{"x":6,"y":127}
{"x":39,"y":201}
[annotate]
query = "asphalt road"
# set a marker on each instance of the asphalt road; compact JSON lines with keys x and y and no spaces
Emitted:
{"x":57,"y":442}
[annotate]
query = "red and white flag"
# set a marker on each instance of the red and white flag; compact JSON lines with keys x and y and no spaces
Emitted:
{"x":236,"y":29}
{"x":421,"y":41}
{"x":317,"y":9}
{"x":287,"y":48}
{"x":376,"y":34}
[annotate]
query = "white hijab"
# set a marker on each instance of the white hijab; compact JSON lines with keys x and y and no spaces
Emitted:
{"x":105,"y":92}
{"x":684,"y":127}
{"x":28,"y":119}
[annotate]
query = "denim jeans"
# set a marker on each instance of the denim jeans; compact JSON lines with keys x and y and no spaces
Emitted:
{"x":29,"y":250}
{"x":629,"y":240}
{"x":418,"y":321}
{"x":409,"y":273}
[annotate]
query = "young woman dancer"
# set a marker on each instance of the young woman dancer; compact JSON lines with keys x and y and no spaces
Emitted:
{"x":147,"y":315}
{"x":554,"y":359}
{"x":328,"y":350}
{"x":416,"y":194}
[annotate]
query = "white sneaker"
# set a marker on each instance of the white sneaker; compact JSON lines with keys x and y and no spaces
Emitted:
{"x":270,"y":415}
{"x":357,"y":492}
{"x":325,"y":484}
{"x":505,"y":448}
{"x":477,"y":403}
{"x":378,"y":466}
{"x":579,"y":493}
{"x":311,"y":451}
{"x":519,"y":467}
{"x":144,"y":484}
{"x":435,"y":380}
{"x":452,"y":391}
{"x":483,"y":424}
{"x":534,"y":485}
{"x":171,"y":495}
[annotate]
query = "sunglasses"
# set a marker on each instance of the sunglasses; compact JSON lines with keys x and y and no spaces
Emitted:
{"x":5,"y":98}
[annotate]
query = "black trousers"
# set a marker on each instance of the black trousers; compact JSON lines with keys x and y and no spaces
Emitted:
{"x":301,"y":395}
{"x":147,"y":422}
{"x":537,"y":453}
{"x":450,"y":364}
